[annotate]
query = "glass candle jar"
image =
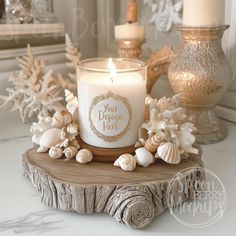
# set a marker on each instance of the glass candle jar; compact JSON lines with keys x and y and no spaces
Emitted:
{"x":111,"y":95}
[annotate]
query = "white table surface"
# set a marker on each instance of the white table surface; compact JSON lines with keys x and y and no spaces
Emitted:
{"x":21,"y":211}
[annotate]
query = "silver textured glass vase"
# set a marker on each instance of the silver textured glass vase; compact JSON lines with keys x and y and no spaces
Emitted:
{"x":202,"y":73}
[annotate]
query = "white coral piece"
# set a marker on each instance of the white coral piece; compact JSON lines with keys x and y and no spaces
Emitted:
{"x":73,"y":56}
{"x":34,"y":91}
{"x":37,"y":129}
{"x":169,"y":120}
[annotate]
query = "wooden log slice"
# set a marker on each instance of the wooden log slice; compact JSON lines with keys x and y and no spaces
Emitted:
{"x":132,"y":198}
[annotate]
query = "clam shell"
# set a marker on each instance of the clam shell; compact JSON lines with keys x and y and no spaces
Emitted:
{"x":169,"y":152}
{"x":50,"y":138}
{"x":144,"y":157}
{"x":84,"y":156}
{"x":55,"y":152}
{"x":62,"y":119}
{"x":126,"y":162}
{"x":70,"y":152}
{"x":153,"y":143}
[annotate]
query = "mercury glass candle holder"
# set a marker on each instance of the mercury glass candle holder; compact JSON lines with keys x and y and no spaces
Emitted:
{"x":201,"y":73}
{"x":129,"y":48}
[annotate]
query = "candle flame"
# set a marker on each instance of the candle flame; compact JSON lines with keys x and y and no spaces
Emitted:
{"x":112,"y":68}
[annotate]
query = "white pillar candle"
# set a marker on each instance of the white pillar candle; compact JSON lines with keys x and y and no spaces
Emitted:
{"x":111,"y":103}
{"x":129,"y":31}
{"x":204,"y":13}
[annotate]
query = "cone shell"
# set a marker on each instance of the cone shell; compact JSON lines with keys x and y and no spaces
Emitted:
{"x":84,"y":156}
{"x":153,"y":143}
{"x":70,"y":152}
{"x":169,"y":152}
{"x":55,"y":152}
{"x":62,"y":119}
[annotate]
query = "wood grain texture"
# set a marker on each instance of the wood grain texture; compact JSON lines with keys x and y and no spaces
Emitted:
{"x":132,"y":198}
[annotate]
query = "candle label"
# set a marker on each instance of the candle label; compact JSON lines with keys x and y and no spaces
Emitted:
{"x":110,"y":116}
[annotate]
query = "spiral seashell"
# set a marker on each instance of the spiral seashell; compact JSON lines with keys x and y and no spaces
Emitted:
{"x":84,"y":156}
{"x":70,"y":152}
{"x":153,"y":143}
{"x":50,"y":138}
{"x":169,"y":152}
{"x":55,"y":152}
{"x":62,"y":119}
{"x":126,"y":162}
{"x":144,"y":157}
{"x":75,"y":143}
{"x":42,"y":149}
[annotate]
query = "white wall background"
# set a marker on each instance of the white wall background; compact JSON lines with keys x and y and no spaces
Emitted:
{"x":86,"y":19}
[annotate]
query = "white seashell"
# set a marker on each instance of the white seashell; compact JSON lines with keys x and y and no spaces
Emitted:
{"x":37,"y":129}
{"x":55,"y":152}
{"x":126,"y":162}
{"x":169,"y":152}
{"x":62,"y":119}
{"x":70,"y":152}
{"x":144,"y":157}
{"x":72,"y":104}
{"x":84,"y":156}
{"x":73,"y":131}
{"x":42,"y":149}
{"x":50,"y":138}
{"x":75,"y":143}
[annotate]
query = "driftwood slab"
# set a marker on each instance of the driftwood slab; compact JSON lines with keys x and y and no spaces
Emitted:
{"x":133,"y":198}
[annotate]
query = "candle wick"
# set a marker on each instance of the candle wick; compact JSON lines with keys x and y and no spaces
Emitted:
{"x":112,"y":80}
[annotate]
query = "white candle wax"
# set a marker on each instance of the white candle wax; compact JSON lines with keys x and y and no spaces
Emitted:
{"x":111,"y":110}
{"x":129,"y":31}
{"x":204,"y":13}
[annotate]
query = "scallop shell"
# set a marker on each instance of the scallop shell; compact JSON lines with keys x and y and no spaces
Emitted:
{"x":169,"y":152}
{"x":75,"y":143}
{"x":126,"y":162}
{"x":50,"y":138}
{"x":70,"y":152}
{"x":84,"y":156}
{"x":62,"y":119}
{"x":55,"y":152}
{"x":144,"y":157}
{"x":153,"y":143}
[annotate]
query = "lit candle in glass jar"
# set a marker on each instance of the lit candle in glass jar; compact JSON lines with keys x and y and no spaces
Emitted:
{"x":111,"y":95}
